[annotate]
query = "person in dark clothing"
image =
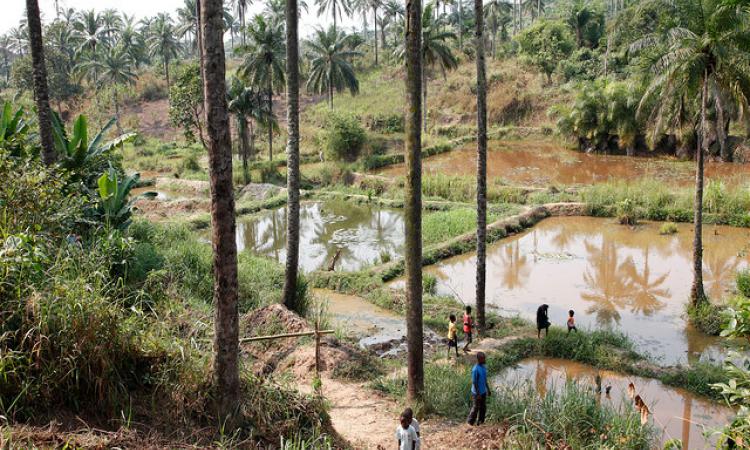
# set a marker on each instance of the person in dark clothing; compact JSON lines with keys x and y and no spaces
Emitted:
{"x":542,"y":320}
{"x":480,"y":390}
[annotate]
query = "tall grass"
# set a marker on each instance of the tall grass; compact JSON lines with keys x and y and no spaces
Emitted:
{"x":442,"y":225}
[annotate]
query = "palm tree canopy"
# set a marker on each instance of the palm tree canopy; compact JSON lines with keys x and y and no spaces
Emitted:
{"x":265,"y":58}
{"x":330,"y":65}
{"x":436,"y":52}
{"x":249,"y":103}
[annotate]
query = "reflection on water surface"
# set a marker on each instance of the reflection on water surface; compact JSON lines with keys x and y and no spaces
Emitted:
{"x":363,"y":234}
{"x":677,"y":413}
{"x":613,"y":276}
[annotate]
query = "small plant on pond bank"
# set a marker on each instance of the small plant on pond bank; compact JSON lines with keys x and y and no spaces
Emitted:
{"x":706,"y":317}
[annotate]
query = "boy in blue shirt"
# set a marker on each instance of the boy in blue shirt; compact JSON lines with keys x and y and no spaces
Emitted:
{"x":480,"y":390}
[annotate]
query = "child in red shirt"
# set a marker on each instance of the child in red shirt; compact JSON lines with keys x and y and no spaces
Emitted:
{"x":468,"y":325}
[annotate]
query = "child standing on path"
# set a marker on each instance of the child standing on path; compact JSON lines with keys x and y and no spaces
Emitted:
{"x":415,"y":425}
{"x":405,"y":434}
{"x":480,"y":389}
{"x":468,"y":325}
{"x":452,"y":335}
{"x":571,"y":322}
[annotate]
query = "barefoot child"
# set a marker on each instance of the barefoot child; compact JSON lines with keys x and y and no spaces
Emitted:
{"x":572,"y":321}
{"x":468,"y":326}
{"x":405,"y":434}
{"x":452,"y":335}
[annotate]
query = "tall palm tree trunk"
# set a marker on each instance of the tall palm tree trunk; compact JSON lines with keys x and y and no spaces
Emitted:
{"x":481,"y":277}
{"x":41,"y":92}
{"x":375,"y":16}
{"x":697,"y":294}
{"x":424,"y":97}
{"x":166,"y":72}
{"x":460,"y":25}
{"x":413,"y":202}
{"x":226,"y":322}
{"x":244,"y":133}
{"x":270,"y":111}
{"x":292,"y":155}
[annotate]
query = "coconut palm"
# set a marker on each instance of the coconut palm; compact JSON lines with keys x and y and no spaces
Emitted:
{"x":375,"y":5}
{"x":412,"y":56}
{"x":395,"y":11}
{"x":132,"y":41}
{"x":704,"y":56}
{"x":187,"y":16}
{"x":112,"y":23}
{"x":240,"y":6}
{"x":330,"y":65}
{"x":163,"y":42}
{"x":250,"y":109}
{"x":336,"y":8}
{"x":89,"y":31}
{"x":481,"y":275}
{"x":226,"y":381}
{"x":497,"y":17}
{"x":263,"y":65}
{"x":115,"y":68}
{"x":41,"y":92}
{"x":436,"y":53}
{"x":291,"y":267}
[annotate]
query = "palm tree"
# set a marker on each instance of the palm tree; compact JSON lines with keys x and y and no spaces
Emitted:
{"x":241,"y":8}
{"x":435,"y":52}
{"x":226,"y":378}
{"x":250,"y":108}
{"x":264,"y":62}
{"x":132,"y":41}
{"x":163,"y":42}
{"x":375,"y":5}
{"x":705,"y":55}
{"x":498,"y":15}
{"x":115,"y":68}
{"x":188,"y":19}
{"x":413,"y":53}
{"x":580,"y":17}
{"x":41,"y":93}
{"x":336,"y":8}
{"x":112,"y":23}
{"x":394,"y":10}
{"x":481,"y":279}
{"x":289,"y":293}
{"x":330,"y":66}
{"x":89,"y":30}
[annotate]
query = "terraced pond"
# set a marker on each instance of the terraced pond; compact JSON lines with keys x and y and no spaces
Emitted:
{"x":543,"y":163}
{"x":613,"y":276}
{"x":359,"y":234}
{"x":675,"y":412}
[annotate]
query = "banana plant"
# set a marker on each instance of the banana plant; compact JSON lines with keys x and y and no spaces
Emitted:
{"x":115,"y":207}
{"x":13,"y":129}
{"x":80,"y":156}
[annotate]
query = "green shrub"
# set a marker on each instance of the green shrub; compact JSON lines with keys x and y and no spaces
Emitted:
{"x":342,"y":137}
{"x":707,"y":317}
{"x":743,"y":282}
{"x":385,"y":123}
{"x":668,"y":228}
{"x":191,"y":164}
{"x":429,"y":283}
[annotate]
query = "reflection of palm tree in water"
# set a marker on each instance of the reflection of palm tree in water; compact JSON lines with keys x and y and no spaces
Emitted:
{"x":687,"y":413}
{"x":647,"y":292}
{"x":515,"y":266}
{"x":540,"y":377}
{"x":719,"y":268}
{"x":608,"y":284}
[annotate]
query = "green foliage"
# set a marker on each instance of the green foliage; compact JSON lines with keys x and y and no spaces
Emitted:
{"x":429,"y":283}
{"x":385,"y":123}
{"x":342,"y":137}
{"x":61,"y":83}
{"x":440,"y":226}
{"x":85,"y":159}
{"x":626,"y":212}
{"x":582,"y":65}
{"x":330,"y":65}
{"x":743,"y":282}
{"x":707,"y":317}
{"x":114,"y":207}
{"x":186,"y":102}
{"x":668,"y":228}
{"x":545,"y":44}
{"x":13,"y":130}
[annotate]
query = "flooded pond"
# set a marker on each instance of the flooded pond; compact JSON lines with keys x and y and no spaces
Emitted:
{"x":371,"y":324}
{"x":613,"y":276}
{"x":359,"y":234}
{"x":543,"y":163}
{"x":676,"y":413}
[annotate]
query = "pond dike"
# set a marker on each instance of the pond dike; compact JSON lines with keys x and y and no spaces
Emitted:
{"x":497,"y":230}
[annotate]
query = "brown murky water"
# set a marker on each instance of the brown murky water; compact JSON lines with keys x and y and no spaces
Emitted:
{"x":161,"y":194}
{"x":676,"y":413}
{"x":543,"y":163}
{"x":367,"y":322}
{"x":363,"y":234}
{"x":613,"y":276}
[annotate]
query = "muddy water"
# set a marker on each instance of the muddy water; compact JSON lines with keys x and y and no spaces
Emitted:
{"x":371,"y":324}
{"x":676,"y":413}
{"x":613,"y":276}
{"x":161,"y":194}
{"x":543,"y":163}
{"x":362,"y":234}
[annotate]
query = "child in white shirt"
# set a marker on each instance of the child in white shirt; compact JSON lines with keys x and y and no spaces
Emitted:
{"x":405,"y":434}
{"x":415,"y":425}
